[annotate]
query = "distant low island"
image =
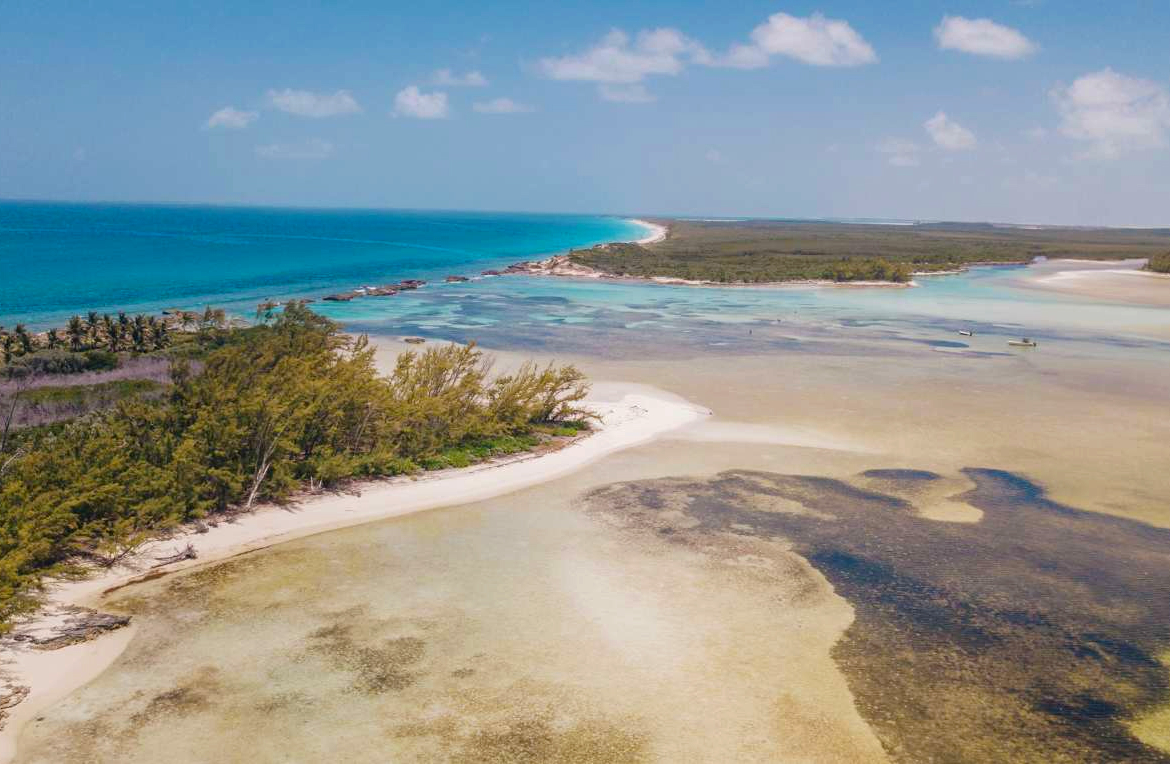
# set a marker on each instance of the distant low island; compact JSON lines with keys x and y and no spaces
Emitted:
{"x":763,"y":251}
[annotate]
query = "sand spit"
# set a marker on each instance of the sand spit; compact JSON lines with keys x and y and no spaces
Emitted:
{"x":1116,"y":281}
{"x":634,"y":418}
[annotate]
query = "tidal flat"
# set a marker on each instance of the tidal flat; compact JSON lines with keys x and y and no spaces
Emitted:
{"x":876,"y":549}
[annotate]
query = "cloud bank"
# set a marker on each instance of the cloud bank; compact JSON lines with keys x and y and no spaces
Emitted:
{"x":814,"y":40}
{"x":1114,"y":114}
{"x":305,"y":103}
{"x":231,"y":118}
{"x":412,"y":102}
{"x":982,"y":37}
{"x":948,"y":134}
{"x":448,"y":79}
{"x":501,"y":106}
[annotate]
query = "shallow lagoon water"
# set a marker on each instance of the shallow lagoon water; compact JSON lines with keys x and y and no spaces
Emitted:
{"x":608,"y":617}
{"x":618,"y":318}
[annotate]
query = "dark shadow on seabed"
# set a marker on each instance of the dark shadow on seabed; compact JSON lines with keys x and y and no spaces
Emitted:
{"x":1031,"y":635}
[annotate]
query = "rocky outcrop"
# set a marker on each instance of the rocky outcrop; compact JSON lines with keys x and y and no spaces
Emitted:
{"x":10,"y":696}
{"x":456,"y":279}
{"x":557,"y":265}
{"x":69,"y":626}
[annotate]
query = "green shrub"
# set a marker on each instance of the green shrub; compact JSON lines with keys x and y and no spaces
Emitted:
{"x":264,"y":411}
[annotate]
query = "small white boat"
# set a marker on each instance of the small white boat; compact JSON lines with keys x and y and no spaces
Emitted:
{"x":966,"y":333}
{"x":1023,"y":342}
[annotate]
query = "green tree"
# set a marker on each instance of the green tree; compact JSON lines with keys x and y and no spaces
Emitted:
{"x":76,"y":332}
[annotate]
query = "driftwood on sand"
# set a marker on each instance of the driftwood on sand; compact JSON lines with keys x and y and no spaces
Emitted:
{"x":186,"y":553}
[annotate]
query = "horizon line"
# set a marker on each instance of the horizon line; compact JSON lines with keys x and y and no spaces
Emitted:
{"x":695,"y":217}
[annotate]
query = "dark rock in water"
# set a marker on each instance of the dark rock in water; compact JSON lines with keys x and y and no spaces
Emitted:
{"x":489,"y":273}
{"x":341,"y":297}
{"x":456,"y":279}
{"x":414,"y":340}
{"x":1033,"y":634}
{"x":410,"y":283}
{"x":382,"y":291}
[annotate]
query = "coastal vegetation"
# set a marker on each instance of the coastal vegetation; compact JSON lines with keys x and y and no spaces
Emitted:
{"x":770,"y":251}
{"x":230,"y":416}
{"x":1159,"y":263}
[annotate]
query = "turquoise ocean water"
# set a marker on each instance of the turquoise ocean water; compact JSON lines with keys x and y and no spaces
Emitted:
{"x":61,"y":259}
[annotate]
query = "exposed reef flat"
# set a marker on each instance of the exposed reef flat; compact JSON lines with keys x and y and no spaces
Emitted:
{"x":1031,"y":635}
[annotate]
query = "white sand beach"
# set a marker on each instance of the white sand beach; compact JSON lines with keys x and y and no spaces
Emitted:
{"x":630,"y":415}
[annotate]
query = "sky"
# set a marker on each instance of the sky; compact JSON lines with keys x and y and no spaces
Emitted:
{"x":1023,"y":111}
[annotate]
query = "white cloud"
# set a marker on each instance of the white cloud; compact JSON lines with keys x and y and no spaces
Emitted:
{"x":501,"y":106}
{"x":949,"y":134}
{"x":814,"y":40}
{"x":447,"y":78}
{"x":314,"y":148}
{"x":1036,"y":133}
{"x":305,"y":103}
{"x":635,"y":93}
{"x":900,"y":152}
{"x":231,"y":118}
{"x":616,"y":60}
{"x":1114,"y":113}
{"x":412,"y":102}
{"x":982,"y":37}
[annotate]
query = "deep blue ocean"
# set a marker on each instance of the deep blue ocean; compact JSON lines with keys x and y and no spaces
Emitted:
{"x":60,"y":259}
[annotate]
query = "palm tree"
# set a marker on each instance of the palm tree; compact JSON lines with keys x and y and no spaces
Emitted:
{"x":53,"y":339}
{"x":160,"y":335}
{"x":138,"y":333}
{"x":111,"y":329}
{"x":26,"y":340}
{"x":91,"y":323}
{"x":76,"y":332}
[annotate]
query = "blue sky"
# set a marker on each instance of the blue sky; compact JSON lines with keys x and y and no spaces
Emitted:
{"x":1048,"y":111}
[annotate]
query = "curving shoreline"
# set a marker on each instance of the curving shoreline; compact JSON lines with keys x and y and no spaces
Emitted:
{"x":657,"y":232}
{"x":637,"y":417}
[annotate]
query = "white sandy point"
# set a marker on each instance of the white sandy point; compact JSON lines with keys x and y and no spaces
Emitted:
{"x":657,"y":232}
{"x":639,"y":415}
